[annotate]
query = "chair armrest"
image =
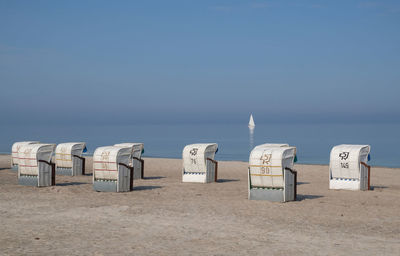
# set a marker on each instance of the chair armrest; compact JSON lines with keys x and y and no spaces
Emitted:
{"x":46,"y":162}
{"x":366,"y":165}
{"x":80,"y":157}
{"x":138,"y":159}
{"x":127,"y":166}
{"x":291,"y":170}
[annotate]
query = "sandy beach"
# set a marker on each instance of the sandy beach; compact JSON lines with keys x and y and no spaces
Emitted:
{"x":163,"y":216}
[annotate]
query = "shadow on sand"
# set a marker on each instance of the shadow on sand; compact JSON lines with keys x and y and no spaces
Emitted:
{"x":154,"y":178}
{"x":146,"y":187}
{"x":302,"y":183}
{"x":304,"y":197}
{"x":226,"y":180}
{"x":378,"y":187}
{"x":70,"y":183}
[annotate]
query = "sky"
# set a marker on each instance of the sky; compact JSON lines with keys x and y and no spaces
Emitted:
{"x":199,"y":61}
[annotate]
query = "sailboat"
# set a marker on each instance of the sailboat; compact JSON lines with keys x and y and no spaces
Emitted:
{"x":251,"y":122}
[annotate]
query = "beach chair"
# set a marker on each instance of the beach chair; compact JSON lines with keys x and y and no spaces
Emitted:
{"x":271,"y":175}
{"x":111,"y":170}
{"x":14,"y":153}
{"x":348,"y":168}
{"x":35,"y":166}
{"x":136,"y":160}
{"x":69,"y":160}
{"x":199,"y":164}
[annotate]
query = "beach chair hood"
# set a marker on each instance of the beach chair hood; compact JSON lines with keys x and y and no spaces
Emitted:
{"x":345,"y":160}
{"x":267,"y":165}
{"x":30,"y":154}
{"x":65,"y":151}
{"x":106,"y":161}
{"x":195,"y":155}
{"x":15,"y":148}
{"x":137,"y":148}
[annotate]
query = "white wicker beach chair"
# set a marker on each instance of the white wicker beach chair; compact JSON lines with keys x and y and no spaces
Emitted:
{"x":35,"y":166}
{"x":69,"y":160}
{"x":14,"y":153}
{"x":271,"y":175}
{"x":199,"y":164}
{"x":348,"y":168}
{"x":111,"y":170}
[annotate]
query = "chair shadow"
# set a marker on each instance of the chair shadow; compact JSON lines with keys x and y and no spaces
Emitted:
{"x":378,"y":187}
{"x":4,"y":169}
{"x":88,"y":174}
{"x":302,"y":183}
{"x":146,"y":187}
{"x":304,"y":197}
{"x":70,"y":183}
{"x":153,"y":178}
{"x":226,"y":180}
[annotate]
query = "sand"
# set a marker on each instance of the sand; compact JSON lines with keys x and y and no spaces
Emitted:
{"x":164,"y":216}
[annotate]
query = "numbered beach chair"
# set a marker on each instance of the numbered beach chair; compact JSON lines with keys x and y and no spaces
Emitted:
{"x":348,"y":168}
{"x":271,"y":175}
{"x":14,"y":153}
{"x":111,"y":170}
{"x":136,"y":160}
{"x":69,"y":160}
{"x":35,"y":166}
{"x":199,"y":164}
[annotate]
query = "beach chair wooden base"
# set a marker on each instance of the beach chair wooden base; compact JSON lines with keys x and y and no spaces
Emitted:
{"x":28,"y":180}
{"x":273,"y":195}
{"x":289,"y":193}
{"x":45,"y":178}
{"x":105,"y":186}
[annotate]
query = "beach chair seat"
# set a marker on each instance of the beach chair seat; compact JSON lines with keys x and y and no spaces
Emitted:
{"x":35,"y":166}
{"x":199,"y":164}
{"x":136,"y":159}
{"x":69,"y":160}
{"x":271,"y":175}
{"x":14,"y":153}
{"x":348,"y":168}
{"x":111,"y":170}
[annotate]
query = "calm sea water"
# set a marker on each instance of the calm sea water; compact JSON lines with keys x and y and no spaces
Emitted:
{"x":313,"y":141}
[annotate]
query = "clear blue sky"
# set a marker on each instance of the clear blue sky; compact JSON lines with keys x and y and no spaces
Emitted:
{"x":181,"y":61}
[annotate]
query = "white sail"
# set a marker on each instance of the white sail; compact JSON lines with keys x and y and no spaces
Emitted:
{"x":251,"y":122}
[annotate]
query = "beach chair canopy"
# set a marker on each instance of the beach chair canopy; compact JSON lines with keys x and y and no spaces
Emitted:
{"x":345,"y":160}
{"x":65,"y":151}
{"x":137,"y":148}
{"x":272,"y":145}
{"x":267,"y":165}
{"x":15,"y":148}
{"x":106,"y":160}
{"x":195,"y":155}
{"x":30,"y":154}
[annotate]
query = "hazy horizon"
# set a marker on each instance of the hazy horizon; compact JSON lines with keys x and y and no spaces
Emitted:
{"x":199,"y":61}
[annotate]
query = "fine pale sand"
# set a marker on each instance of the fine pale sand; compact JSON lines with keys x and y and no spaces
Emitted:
{"x":164,"y":216}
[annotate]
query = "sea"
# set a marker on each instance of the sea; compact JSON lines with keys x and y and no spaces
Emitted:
{"x":313,"y":141}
